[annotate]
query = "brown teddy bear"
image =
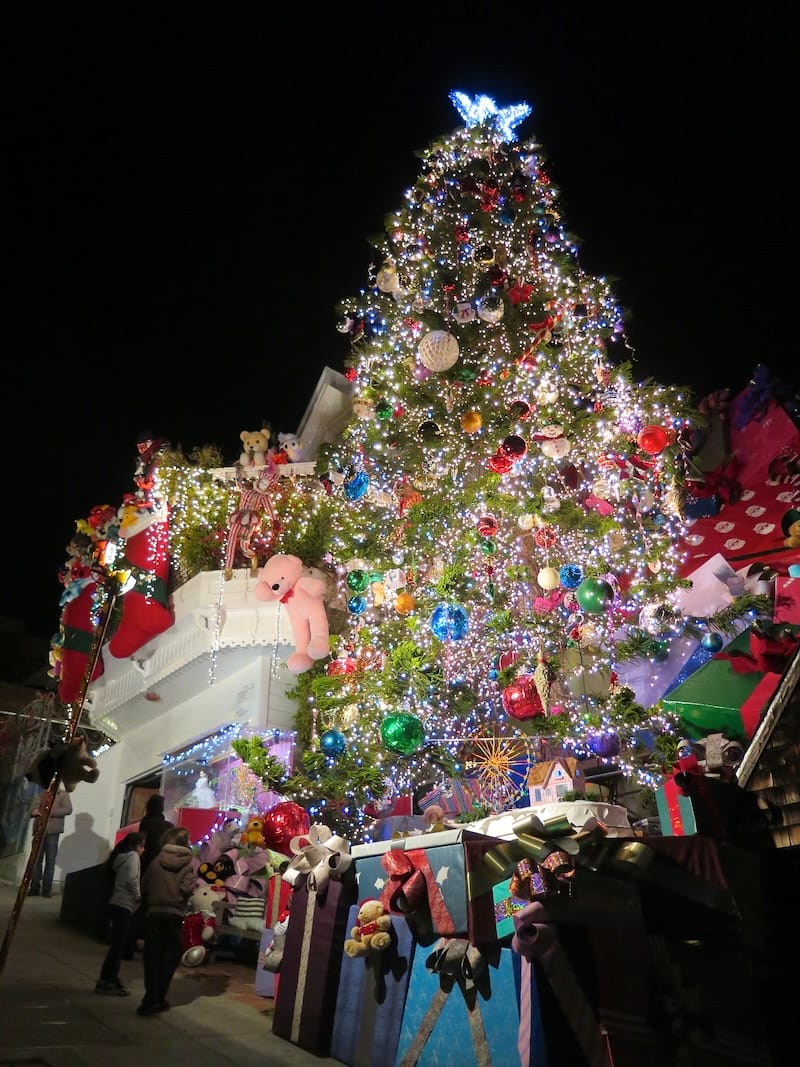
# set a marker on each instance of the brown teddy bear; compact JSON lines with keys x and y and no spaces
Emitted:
{"x":372,"y":930}
{"x":790,"y":525}
{"x":72,"y":761}
{"x":255,"y":447}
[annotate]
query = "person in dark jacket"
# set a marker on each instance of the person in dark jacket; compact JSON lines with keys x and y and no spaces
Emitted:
{"x":167,"y":885}
{"x":122,"y":871}
{"x":153,"y":826}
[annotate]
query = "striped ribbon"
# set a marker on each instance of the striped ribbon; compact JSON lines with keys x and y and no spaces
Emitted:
{"x":302,"y":972}
{"x":536,"y":938}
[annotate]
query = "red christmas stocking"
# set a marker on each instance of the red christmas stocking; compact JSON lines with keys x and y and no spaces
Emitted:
{"x":77,"y":631}
{"x":145,"y":609}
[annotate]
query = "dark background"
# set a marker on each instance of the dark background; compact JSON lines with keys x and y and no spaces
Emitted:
{"x":190,"y":192}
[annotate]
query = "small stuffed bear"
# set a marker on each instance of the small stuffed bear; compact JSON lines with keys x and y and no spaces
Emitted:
{"x":281,"y":578}
{"x":199,"y":929}
{"x":255,"y":446}
{"x":790,"y":525}
{"x":372,"y":930}
{"x":71,"y":760}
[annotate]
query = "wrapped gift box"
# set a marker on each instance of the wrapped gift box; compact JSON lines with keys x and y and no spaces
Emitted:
{"x":312,"y":958}
{"x":461,"y":1009}
{"x":716,"y":698}
{"x":265,"y":980}
{"x":372,"y":996}
{"x":279,"y":894}
{"x":385,"y":867}
{"x":787,"y":600}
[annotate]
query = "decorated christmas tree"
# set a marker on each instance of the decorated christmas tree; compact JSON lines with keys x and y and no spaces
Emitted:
{"x":507,"y":508}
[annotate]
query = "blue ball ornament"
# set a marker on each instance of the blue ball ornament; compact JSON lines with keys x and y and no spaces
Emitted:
{"x":357,"y":605}
{"x":570,"y":575}
{"x":356,"y":486}
{"x":449,"y":621}
{"x":711,"y":641}
{"x":332,"y":743}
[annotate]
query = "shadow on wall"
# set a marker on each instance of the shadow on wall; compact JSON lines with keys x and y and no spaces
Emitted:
{"x":82,"y":848}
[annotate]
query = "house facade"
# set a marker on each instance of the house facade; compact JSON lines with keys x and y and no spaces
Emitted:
{"x":217,"y":672}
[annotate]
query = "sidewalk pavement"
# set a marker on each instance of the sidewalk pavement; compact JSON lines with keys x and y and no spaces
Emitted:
{"x":50,"y":1015}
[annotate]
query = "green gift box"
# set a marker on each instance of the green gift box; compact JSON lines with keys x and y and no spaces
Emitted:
{"x":718,"y":699}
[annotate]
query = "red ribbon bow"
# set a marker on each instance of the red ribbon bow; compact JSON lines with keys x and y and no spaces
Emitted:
{"x":412,"y":885}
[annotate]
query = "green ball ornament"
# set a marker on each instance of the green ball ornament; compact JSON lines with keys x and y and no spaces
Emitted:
{"x":594,"y":595}
{"x":402,"y":733}
{"x":357,"y":581}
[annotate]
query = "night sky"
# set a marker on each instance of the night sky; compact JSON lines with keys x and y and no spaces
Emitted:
{"x":189,"y":195}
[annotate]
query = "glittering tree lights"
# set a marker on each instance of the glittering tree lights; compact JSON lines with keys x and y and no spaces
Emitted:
{"x":509,"y":511}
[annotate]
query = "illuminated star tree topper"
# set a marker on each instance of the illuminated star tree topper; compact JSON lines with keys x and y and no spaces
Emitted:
{"x":479,"y":109}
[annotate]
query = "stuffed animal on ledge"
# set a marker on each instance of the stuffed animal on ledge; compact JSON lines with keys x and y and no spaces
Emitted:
{"x":290,"y":447}
{"x":255,"y":446}
{"x":372,"y":930}
{"x":282,"y":578}
{"x":199,"y":929}
{"x":71,"y":760}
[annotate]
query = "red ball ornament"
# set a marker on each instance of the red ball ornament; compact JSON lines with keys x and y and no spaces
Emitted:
{"x":283,"y":822}
{"x":545,"y":537}
{"x":351,"y":374}
{"x":500,"y":463}
{"x":652,"y":439}
{"x":520,"y":410}
{"x":514,"y":446}
{"x":521,"y":700}
{"x":487,"y":525}
{"x":497,"y":277}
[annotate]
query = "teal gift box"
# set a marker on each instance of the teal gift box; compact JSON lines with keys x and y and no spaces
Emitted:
{"x":461,"y":1009}
{"x":435,"y":865}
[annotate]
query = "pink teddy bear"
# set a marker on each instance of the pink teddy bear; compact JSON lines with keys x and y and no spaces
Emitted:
{"x":281,"y":578}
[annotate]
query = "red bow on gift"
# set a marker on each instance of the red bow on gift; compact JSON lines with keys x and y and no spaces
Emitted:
{"x":769,"y":650}
{"x":411,"y":885}
{"x":723,"y":482}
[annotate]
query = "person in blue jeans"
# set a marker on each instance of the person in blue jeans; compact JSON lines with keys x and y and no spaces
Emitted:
{"x":167,"y":885}
{"x":42,"y":879}
{"x":122,"y":870}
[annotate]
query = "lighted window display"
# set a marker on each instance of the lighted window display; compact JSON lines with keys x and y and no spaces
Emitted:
{"x":206,"y":781}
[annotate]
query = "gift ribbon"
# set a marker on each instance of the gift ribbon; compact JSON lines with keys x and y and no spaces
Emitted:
{"x":534,"y":839}
{"x":457,"y":962}
{"x":536,"y":939}
{"x":412,"y":885}
{"x":317,"y":857}
{"x":769,"y":651}
{"x":302,"y":969}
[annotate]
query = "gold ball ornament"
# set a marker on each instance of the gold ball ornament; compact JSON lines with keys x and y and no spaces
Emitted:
{"x":438,"y":351}
{"x":404,"y":603}
{"x":471,"y":421}
{"x":548,"y":578}
{"x":526,"y":522}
